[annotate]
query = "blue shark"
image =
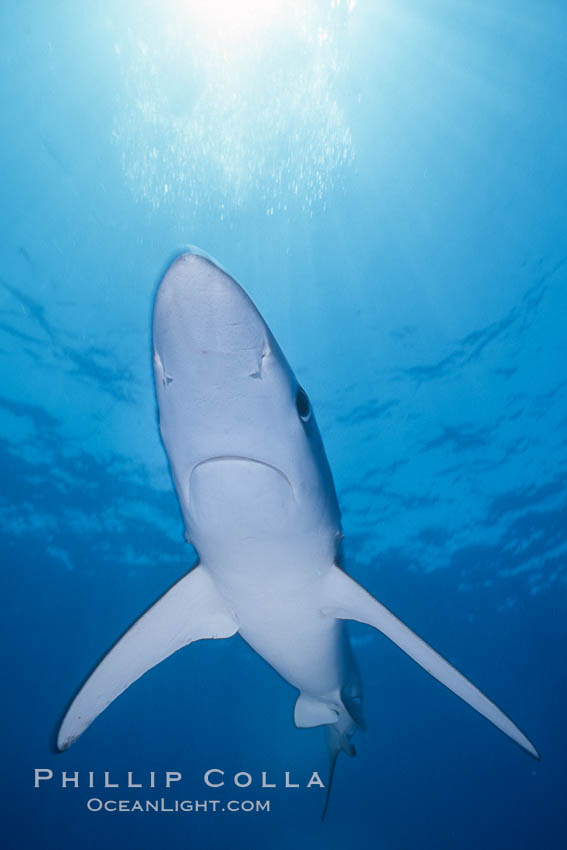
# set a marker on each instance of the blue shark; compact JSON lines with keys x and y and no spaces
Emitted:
{"x":259,"y":505}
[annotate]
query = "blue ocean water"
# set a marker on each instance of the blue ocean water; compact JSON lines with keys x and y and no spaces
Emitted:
{"x":388,"y":181}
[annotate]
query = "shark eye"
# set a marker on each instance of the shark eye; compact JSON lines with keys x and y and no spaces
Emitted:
{"x":303,"y":405}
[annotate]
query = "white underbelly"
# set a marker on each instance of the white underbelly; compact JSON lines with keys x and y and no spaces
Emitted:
{"x":276,"y":591}
{"x":309,"y":649}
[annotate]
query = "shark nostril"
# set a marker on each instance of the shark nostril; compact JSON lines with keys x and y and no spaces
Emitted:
{"x":263,"y":356}
{"x":158,"y":363}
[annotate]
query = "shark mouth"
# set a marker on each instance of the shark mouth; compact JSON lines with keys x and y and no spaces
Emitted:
{"x":239,"y":459}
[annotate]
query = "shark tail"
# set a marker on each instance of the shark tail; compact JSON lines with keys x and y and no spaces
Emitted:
{"x":337,"y":741}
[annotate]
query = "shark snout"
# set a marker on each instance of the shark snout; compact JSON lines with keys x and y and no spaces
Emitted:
{"x":204,"y":322}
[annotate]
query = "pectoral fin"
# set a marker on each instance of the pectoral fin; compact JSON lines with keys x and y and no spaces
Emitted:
{"x":347,"y":600}
{"x":191,"y":610}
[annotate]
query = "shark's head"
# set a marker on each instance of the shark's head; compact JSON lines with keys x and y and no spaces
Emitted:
{"x":244,"y":449}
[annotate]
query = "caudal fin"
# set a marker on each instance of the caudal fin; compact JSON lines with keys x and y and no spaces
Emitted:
{"x":333,"y":763}
{"x":336,"y":742}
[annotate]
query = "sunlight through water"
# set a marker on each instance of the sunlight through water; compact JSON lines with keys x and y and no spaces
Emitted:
{"x":248,"y":94}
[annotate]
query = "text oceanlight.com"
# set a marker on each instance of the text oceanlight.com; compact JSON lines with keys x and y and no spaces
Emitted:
{"x":95,"y":804}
